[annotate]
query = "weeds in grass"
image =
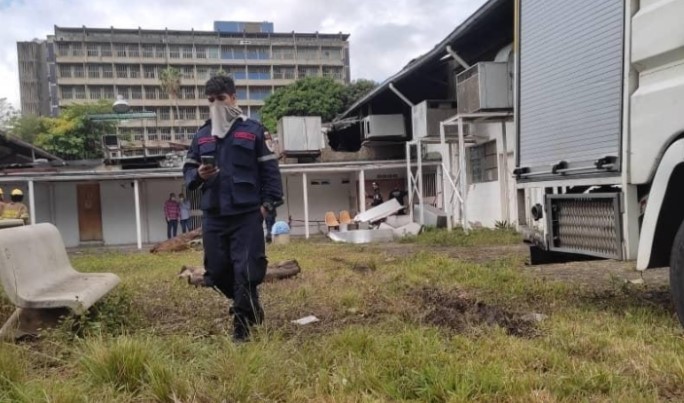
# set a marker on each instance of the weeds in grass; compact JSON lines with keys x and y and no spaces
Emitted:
{"x":457,"y":237}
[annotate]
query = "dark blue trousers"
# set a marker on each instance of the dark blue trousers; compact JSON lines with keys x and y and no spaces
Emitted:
{"x":235,"y":260}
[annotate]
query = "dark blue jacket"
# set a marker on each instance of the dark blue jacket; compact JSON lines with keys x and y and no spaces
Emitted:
{"x":248,"y":171}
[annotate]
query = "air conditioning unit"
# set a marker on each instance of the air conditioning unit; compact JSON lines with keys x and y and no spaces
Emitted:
{"x":300,"y":135}
{"x":483,"y":87}
{"x":383,"y":127}
{"x":427,"y":116}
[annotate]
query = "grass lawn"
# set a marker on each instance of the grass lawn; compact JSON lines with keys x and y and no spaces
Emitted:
{"x":403,"y":322}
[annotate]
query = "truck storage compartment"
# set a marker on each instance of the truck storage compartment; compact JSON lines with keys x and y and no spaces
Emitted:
{"x":570,"y":103}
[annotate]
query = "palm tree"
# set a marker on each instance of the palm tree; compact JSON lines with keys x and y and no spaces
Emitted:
{"x":170,"y":81}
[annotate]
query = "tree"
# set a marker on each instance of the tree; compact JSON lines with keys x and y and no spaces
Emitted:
{"x":27,"y":127}
{"x":310,"y":96}
{"x":357,"y":90}
{"x":7,"y":114}
{"x":73,"y":135}
{"x":170,"y":81}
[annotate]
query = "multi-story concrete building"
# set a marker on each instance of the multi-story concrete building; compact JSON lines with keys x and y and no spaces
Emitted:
{"x":91,"y":64}
{"x":33,"y":77}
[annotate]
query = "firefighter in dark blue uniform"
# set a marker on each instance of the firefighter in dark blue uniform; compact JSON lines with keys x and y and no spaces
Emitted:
{"x":240,"y":183}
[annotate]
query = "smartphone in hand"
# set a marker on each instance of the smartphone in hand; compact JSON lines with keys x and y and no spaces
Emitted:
{"x":208,"y":160}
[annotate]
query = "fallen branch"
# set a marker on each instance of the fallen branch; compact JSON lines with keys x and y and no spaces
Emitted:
{"x":278,"y":271}
{"x":179,"y":243}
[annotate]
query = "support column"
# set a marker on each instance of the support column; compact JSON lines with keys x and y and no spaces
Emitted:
{"x":506,"y":196}
{"x":421,"y":195}
{"x":138,"y":229}
{"x":305,"y":187}
{"x":462,"y":176}
{"x":362,"y":191}
{"x":439,"y":188}
{"x":409,"y":182}
{"x":32,"y":203}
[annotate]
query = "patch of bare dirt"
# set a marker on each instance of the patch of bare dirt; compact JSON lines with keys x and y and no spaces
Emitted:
{"x":458,"y":312}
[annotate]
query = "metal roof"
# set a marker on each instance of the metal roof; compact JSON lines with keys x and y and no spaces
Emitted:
{"x":175,"y":173}
{"x":21,"y":152}
{"x":482,"y":19}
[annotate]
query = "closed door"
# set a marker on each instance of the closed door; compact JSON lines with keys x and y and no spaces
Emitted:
{"x":89,"y":212}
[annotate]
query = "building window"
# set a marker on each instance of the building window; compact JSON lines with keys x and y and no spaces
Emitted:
{"x":136,"y":93}
{"x":259,"y":93}
{"x":202,"y":73}
{"x":121,"y":71}
{"x":63,"y":49}
{"x":237,"y":72}
{"x":93,"y":71}
{"x":258,"y":53}
{"x":174,"y":52}
{"x":108,"y":93}
{"x":308,"y":72}
{"x":241,"y":92}
{"x":123,"y":91}
{"x":482,"y":160}
{"x":283,"y":53}
{"x":188,"y":92}
{"x":213,"y":52}
{"x":93,"y":50}
{"x":328,"y":53}
{"x":79,"y":92}
{"x":233,"y":52}
{"x":187,"y":52}
{"x":259,"y":73}
{"x":149,"y":71}
{"x":188,"y":72}
{"x":164,"y":114}
{"x":78,"y":71}
{"x":165,"y":133}
{"x":107,"y":71}
{"x":333,"y":72}
{"x":134,"y":71}
{"x":283,"y":73}
{"x":307,"y":53}
{"x":204,"y":112}
{"x":66,"y":92}
{"x":133,"y":51}
{"x":76,"y":49}
{"x":120,"y":49}
{"x":188,"y":113}
{"x":160,"y":51}
{"x":64,"y":71}
{"x":148,"y":51}
{"x":106,"y":50}
{"x":150,"y":92}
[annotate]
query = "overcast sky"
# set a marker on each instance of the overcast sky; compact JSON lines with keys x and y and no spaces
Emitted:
{"x":385,"y":34}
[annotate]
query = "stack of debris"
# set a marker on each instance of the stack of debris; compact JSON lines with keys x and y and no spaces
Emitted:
{"x":384,"y":222}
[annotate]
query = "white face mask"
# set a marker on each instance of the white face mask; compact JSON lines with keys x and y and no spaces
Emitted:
{"x":222,"y":118}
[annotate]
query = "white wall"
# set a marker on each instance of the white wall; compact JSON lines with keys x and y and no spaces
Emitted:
{"x":118,"y":212}
{"x":66,"y":212}
{"x":494,"y":201}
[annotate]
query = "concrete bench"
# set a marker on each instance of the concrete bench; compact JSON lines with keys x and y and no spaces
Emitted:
{"x":38,"y":279}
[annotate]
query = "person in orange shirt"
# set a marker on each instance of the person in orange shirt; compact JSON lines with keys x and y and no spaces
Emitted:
{"x":15,"y":209}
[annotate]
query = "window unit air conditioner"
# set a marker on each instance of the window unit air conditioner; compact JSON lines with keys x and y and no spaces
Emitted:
{"x":383,"y":127}
{"x":428,"y":115}
{"x":483,"y":87}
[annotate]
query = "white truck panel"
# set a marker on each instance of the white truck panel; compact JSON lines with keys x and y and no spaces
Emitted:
{"x":657,"y":105}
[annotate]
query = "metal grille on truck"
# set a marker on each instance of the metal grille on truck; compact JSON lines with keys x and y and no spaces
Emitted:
{"x":585,"y":224}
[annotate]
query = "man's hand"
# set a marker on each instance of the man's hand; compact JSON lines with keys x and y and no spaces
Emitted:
{"x":207,"y":171}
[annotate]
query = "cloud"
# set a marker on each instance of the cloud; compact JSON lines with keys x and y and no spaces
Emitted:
{"x":385,"y":35}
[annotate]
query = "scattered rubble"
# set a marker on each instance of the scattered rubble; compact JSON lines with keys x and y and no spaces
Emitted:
{"x":279,"y":271}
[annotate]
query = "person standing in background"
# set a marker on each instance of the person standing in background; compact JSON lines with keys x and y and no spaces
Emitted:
{"x":172,"y":214}
{"x":184,"y":205}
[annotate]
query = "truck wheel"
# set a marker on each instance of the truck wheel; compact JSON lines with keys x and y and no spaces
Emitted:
{"x":677,"y":273}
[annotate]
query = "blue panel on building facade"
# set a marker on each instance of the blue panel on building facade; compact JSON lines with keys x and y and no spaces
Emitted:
{"x":239,"y":26}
